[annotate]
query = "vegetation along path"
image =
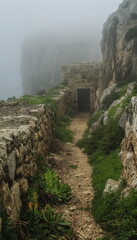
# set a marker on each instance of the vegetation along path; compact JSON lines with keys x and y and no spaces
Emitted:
{"x":74,"y":169}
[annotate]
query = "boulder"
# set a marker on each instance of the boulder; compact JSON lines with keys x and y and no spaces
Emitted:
{"x":111,"y":186}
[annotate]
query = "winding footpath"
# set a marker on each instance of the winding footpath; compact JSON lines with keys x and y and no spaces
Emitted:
{"x":74,"y":169}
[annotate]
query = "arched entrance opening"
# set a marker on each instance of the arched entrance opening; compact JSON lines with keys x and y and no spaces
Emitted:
{"x":83,"y":99}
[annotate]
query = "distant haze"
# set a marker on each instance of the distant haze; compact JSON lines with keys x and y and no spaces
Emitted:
{"x":19,"y":19}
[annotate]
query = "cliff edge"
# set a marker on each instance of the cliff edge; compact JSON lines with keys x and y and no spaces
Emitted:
{"x":119,"y":45}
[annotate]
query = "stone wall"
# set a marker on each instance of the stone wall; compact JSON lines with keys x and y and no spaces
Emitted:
{"x":25,"y":135}
{"x":82,"y":76}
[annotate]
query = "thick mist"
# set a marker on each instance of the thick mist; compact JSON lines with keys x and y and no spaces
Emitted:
{"x":66,"y":20}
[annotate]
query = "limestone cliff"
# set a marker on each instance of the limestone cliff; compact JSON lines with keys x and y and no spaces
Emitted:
{"x":119,"y":45}
{"x":42,"y":57}
{"x":129,"y":147}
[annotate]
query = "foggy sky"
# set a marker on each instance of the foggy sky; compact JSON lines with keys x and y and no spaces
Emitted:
{"x":22,"y":18}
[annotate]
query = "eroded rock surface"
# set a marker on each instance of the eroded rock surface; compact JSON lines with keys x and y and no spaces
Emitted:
{"x":119,"y":45}
{"x":129,"y":147}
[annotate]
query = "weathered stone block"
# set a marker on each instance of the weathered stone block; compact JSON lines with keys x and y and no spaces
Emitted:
{"x":11,"y":163}
{"x":24,"y":185}
{"x":15,"y":203}
{"x":111,"y":186}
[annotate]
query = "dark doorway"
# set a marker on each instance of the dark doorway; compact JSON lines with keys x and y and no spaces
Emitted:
{"x":83,"y":99}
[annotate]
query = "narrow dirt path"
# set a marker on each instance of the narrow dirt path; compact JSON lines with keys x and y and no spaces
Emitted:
{"x":74,"y":169}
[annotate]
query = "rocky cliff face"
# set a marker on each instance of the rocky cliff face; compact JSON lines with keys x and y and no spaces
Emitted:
{"x":129,"y":148}
{"x":119,"y":45}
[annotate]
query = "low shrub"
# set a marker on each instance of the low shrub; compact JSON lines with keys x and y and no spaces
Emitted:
{"x":118,"y":215}
{"x":106,"y":138}
{"x":122,"y":91}
{"x":134,"y":93}
{"x":53,"y":186}
{"x":45,"y":224}
{"x":37,"y":224}
{"x":109,"y":99}
{"x":112,"y":110}
{"x":48,"y":188}
{"x":82,"y":143}
{"x":94,"y":117}
{"x":126,"y":102}
{"x":61,"y":132}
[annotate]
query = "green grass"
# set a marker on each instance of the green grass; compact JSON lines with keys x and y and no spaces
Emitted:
{"x":109,"y":99}
{"x":105,"y":167}
{"x":112,"y":110}
{"x":123,"y":90}
{"x":33,"y":100}
{"x":118,"y":215}
{"x":61,"y":131}
{"x":106,"y":138}
{"x":74,"y":166}
{"x":47,"y":99}
{"x":94,"y":117}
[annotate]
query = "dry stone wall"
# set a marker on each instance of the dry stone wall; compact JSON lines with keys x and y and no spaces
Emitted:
{"x":25,"y":135}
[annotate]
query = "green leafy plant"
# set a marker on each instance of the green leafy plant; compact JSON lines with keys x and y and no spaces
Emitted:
{"x":54,"y":187}
{"x":47,"y":187}
{"x":38,"y":220}
{"x":45,"y":224}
